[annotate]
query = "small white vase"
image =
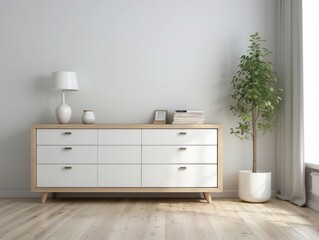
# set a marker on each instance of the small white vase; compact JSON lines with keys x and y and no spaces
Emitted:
{"x":88,"y":117}
{"x":254,"y":187}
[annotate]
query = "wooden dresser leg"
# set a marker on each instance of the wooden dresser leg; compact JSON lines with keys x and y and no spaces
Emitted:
{"x":44,"y":197}
{"x":208,"y":196}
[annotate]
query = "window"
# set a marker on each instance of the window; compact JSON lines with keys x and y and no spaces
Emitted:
{"x":311,"y":79}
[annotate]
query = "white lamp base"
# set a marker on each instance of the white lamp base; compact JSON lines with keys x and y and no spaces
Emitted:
{"x":63,"y":113}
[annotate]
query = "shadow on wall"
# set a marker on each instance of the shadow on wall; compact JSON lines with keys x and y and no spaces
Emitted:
{"x":132,"y":195}
{"x":15,"y":161}
{"x":30,"y":106}
{"x":41,"y":90}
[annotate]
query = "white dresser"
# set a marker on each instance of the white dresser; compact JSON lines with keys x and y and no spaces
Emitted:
{"x":126,"y":158}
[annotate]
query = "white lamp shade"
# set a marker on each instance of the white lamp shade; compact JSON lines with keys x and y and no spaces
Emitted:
{"x":65,"y":81}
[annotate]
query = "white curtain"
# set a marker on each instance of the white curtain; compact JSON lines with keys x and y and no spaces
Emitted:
{"x":290,"y":135}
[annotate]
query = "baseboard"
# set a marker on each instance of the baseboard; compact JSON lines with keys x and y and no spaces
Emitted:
{"x":18,"y":194}
{"x":28,"y":193}
{"x":313,"y":205}
{"x":226,"y":194}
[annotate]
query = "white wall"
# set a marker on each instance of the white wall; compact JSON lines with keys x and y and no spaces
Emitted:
{"x":131,"y":57}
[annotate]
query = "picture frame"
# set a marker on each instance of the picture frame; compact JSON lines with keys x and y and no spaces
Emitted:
{"x":160,"y":116}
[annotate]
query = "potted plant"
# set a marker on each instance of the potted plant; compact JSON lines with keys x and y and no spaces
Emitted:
{"x":255,"y":102}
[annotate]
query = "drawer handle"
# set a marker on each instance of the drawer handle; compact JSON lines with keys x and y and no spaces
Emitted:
{"x":182,"y":148}
{"x":182,"y":133}
{"x":182,"y":168}
{"x":67,"y":148}
{"x":67,"y":133}
{"x":67,"y":167}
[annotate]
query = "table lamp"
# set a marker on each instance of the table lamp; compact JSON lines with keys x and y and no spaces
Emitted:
{"x":65,"y":81}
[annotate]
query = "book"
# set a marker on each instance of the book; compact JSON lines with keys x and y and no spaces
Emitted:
{"x":189,"y":111}
{"x":188,"y":117}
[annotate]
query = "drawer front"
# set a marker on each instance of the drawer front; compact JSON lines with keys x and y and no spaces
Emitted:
{"x":67,"y":137}
{"x":119,"y":136}
{"x":119,"y":154}
{"x":67,"y":154}
{"x":179,"y":136}
{"x":179,"y":176}
{"x":66,"y":175}
{"x":119,"y":176}
{"x":179,"y":154}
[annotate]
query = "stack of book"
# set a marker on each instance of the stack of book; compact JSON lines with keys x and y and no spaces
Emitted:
{"x":188,"y":117}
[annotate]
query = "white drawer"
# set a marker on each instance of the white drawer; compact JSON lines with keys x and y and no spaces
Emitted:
{"x":66,"y":175}
{"x":119,"y":175}
{"x":179,"y":176}
{"x":67,"y":137}
{"x":179,"y":136}
{"x":67,"y":154}
{"x":119,"y":136}
{"x":179,"y":154}
{"x":119,"y":154}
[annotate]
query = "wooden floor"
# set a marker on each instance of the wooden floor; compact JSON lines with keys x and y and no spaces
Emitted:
{"x":152,"y":219}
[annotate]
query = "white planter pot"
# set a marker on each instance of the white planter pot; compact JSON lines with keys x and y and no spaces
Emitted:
{"x":254,"y":187}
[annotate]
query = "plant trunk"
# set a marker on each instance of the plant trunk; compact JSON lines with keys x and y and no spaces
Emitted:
{"x":254,"y":137}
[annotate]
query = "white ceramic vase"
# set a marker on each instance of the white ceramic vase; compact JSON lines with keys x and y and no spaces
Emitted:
{"x":88,"y":117}
{"x":254,"y":187}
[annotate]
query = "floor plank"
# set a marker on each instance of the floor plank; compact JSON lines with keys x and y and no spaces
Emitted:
{"x":154,"y":219}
